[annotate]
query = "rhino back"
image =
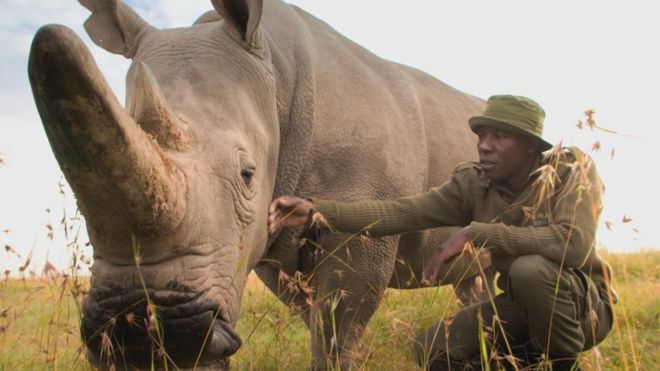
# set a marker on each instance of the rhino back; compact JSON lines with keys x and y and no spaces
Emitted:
{"x":381,"y":129}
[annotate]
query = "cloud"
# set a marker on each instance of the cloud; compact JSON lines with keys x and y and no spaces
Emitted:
{"x":169,"y":13}
{"x":183,"y":13}
{"x":18,"y":23}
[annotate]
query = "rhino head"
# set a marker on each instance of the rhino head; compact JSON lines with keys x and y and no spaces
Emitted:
{"x":175,"y":186}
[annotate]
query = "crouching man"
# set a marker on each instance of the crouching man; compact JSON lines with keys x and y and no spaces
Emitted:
{"x":535,"y":210}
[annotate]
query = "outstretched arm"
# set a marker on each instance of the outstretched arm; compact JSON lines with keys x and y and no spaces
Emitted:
{"x":440,"y":206}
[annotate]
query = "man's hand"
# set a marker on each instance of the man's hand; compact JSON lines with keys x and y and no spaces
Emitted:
{"x":452,"y":247}
{"x":288,"y":211}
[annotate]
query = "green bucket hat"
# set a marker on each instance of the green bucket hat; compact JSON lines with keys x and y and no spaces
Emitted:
{"x":513,"y":114}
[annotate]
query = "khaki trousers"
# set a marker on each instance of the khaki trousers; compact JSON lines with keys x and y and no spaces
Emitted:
{"x":527,"y":320}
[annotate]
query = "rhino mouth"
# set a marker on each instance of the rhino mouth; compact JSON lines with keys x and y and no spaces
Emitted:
{"x":142,"y":329}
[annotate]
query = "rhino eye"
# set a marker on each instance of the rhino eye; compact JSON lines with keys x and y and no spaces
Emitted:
{"x":247,"y":174}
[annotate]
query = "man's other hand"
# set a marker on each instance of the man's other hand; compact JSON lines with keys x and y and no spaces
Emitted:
{"x":452,"y":247}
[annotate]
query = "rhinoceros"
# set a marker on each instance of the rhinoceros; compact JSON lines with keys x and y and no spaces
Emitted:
{"x":255,"y":100}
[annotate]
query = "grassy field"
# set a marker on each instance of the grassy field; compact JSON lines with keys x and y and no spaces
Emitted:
{"x":39,"y":325}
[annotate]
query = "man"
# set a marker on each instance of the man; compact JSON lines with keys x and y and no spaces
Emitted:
{"x":535,"y":211}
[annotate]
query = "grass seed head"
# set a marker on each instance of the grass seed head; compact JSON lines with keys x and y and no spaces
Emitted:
{"x":609,"y":225}
{"x":546,"y":182}
{"x":318,"y":220}
{"x":591,"y":122}
{"x":106,"y":345}
{"x":596,"y":146}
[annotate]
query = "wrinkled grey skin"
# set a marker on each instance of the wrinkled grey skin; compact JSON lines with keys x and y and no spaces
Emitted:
{"x":220,"y":118}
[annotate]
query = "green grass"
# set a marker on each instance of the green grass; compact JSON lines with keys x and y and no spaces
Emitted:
{"x":39,"y":325}
{"x":635,"y":341}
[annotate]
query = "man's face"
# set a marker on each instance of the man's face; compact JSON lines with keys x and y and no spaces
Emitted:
{"x":504,"y":156}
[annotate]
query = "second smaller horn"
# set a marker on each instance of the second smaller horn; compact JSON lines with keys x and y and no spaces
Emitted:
{"x":146,"y":104}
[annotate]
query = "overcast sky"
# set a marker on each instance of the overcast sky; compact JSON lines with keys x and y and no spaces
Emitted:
{"x":570,"y":56}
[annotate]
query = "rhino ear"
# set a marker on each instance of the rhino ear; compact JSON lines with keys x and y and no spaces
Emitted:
{"x":114,"y":26}
{"x":243,"y":15}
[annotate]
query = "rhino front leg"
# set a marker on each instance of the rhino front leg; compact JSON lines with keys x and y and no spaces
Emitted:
{"x":286,"y":271}
{"x":350,"y":278}
{"x":290,"y":294}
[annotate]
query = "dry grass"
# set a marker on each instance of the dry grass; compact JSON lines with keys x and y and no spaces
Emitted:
{"x":40,"y":317}
{"x":39,"y":326}
{"x":39,"y":322}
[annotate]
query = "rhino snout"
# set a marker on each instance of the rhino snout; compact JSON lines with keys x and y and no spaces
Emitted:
{"x":147,"y":327}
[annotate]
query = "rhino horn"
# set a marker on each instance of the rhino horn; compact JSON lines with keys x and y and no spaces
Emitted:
{"x":145,"y":103}
{"x":123,"y":180}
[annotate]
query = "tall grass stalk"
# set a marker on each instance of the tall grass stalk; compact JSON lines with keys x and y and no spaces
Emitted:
{"x":40,"y":315}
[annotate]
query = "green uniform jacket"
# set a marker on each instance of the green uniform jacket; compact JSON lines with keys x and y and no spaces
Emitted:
{"x":555,"y":215}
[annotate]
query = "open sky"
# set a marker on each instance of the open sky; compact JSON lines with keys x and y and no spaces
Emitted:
{"x":569,"y":56}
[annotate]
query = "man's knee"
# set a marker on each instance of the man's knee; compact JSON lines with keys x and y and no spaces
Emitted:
{"x":545,"y":300}
{"x":529,"y":272}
